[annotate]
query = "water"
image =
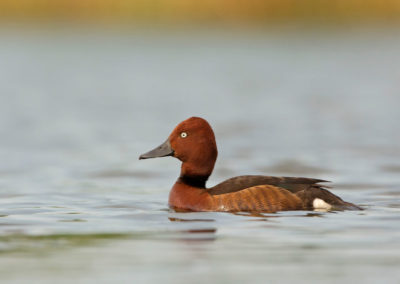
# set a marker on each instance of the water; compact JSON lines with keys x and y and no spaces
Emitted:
{"x":77,"y":108}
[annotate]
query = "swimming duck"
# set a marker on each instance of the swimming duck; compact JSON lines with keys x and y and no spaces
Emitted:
{"x":193,"y":143}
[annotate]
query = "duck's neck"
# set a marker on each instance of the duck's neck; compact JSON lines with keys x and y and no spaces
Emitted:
{"x":196,"y":174}
{"x":194,"y":181}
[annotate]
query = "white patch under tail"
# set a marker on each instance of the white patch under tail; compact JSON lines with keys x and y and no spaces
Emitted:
{"x":320,"y":204}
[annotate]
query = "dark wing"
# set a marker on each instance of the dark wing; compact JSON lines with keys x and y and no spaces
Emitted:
{"x":307,"y":189}
{"x":293,"y":184}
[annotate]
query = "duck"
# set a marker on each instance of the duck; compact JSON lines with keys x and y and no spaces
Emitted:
{"x":193,"y":143}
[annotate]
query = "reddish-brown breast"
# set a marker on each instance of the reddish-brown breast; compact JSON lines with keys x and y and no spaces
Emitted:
{"x":185,"y":197}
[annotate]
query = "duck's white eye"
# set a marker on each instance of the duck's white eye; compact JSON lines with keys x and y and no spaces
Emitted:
{"x":183,"y":134}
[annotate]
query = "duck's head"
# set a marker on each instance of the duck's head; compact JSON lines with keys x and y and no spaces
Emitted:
{"x":193,"y":142}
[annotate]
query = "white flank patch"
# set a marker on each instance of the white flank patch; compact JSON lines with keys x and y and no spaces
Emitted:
{"x":320,"y":204}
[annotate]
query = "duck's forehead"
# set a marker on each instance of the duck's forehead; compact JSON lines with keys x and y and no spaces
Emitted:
{"x":186,"y":126}
{"x":192,"y":124}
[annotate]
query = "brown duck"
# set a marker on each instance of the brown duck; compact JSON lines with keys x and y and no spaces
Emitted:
{"x":193,"y":143}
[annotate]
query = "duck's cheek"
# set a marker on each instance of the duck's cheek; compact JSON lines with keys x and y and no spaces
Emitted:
{"x":180,"y":156}
{"x":177,"y":148}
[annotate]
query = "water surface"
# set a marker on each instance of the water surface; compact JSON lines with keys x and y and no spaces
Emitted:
{"x":77,"y":109}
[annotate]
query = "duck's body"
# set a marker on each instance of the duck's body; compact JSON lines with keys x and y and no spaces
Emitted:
{"x":193,"y":142}
{"x":258,"y":198}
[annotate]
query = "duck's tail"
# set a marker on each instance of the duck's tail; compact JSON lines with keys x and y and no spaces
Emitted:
{"x":318,"y":198}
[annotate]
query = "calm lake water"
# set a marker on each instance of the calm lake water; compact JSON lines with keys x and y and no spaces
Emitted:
{"x":77,"y":108}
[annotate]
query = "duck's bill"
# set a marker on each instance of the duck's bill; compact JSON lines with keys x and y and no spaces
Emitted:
{"x":161,"y":151}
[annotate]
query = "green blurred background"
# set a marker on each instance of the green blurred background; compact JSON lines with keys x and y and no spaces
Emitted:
{"x":181,"y":12}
